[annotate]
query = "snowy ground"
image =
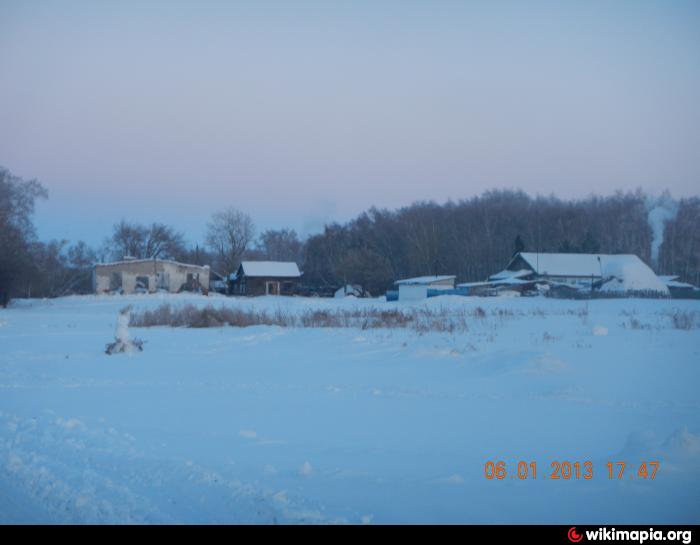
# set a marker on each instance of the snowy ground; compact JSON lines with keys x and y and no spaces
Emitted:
{"x":265,"y":424}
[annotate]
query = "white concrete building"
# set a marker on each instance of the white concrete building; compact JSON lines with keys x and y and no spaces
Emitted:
{"x":148,"y":276}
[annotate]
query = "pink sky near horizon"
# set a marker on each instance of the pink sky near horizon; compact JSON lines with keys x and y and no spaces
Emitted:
{"x":301,"y":115}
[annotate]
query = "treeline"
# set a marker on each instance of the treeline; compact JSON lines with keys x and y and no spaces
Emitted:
{"x":680,"y":251}
{"x":472,"y":238}
{"x":33,"y":268}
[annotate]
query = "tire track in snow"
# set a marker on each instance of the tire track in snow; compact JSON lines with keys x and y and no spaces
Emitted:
{"x":62,"y":468}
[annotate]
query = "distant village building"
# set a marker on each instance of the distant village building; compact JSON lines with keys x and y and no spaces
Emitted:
{"x":349,"y":290}
{"x":217,"y":283}
{"x":604,"y":272}
{"x":679,"y":289}
{"x":266,"y":278}
{"x":411,"y":289}
{"x":148,"y":276}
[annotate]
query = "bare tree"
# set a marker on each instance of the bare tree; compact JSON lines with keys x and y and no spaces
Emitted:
{"x":135,"y":240}
{"x":229,"y":233}
{"x":127,"y":240}
{"x":163,"y":241}
{"x":17,"y":197}
{"x":197,"y":255}
{"x":57,"y":269}
{"x":679,"y":253}
{"x":280,"y":245}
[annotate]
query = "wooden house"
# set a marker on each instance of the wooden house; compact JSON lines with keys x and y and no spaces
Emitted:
{"x":265,"y":278}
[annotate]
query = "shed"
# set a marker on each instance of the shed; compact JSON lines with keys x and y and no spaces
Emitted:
{"x":412,"y":289}
{"x":679,"y":289}
{"x":266,"y":278}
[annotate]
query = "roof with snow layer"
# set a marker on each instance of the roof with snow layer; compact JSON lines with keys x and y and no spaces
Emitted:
{"x":631,"y":274}
{"x":424,"y":280}
{"x":510,"y":275}
{"x":275,"y":269}
{"x":149,"y":260}
{"x":630,"y":271}
{"x":673,"y":281}
{"x":572,"y":264}
{"x":565,"y":264}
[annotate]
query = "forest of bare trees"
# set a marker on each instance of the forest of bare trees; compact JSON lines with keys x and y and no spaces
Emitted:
{"x":680,"y":251}
{"x":476,"y":237}
{"x":471,"y":238}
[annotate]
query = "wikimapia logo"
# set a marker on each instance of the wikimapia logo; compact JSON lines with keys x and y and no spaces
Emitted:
{"x":573,"y":535}
{"x":637,"y":536}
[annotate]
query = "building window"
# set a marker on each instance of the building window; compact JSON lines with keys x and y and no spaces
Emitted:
{"x":142,"y":283}
{"x":115,"y":281}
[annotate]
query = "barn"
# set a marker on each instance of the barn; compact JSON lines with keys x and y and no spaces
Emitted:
{"x":148,"y":276}
{"x":265,"y":278}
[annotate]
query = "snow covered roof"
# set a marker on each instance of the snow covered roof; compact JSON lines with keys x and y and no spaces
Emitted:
{"x":679,"y":284}
{"x":511,"y":282}
{"x":424,"y":280}
{"x":668,"y":277}
{"x":510,"y":275}
{"x":496,"y":283}
{"x":565,"y":264}
{"x":149,"y":260}
{"x":673,"y":282}
{"x":631,"y":273}
{"x":577,"y":264}
{"x":276,"y":269}
{"x":474,"y":284}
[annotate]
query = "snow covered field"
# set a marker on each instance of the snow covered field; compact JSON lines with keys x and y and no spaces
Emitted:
{"x":269,"y":424}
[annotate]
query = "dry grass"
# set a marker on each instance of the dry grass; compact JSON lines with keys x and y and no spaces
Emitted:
{"x":209,"y":316}
{"x":685,"y":319}
{"x":421,"y":320}
{"x":634,"y":323}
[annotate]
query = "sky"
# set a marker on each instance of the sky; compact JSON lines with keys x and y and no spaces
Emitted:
{"x":302,"y":113}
